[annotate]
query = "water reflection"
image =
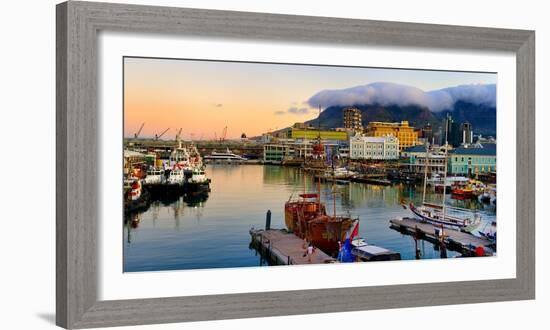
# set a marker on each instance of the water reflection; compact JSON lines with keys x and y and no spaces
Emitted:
{"x":211,"y":230}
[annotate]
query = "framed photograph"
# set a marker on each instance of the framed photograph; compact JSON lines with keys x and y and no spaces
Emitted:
{"x":217,"y":165}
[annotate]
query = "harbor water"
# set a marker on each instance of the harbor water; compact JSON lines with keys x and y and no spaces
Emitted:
{"x":213,"y":231}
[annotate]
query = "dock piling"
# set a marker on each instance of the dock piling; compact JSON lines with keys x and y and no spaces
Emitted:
{"x":268,"y":220}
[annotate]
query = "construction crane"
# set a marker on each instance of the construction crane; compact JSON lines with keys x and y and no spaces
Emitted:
{"x":224,"y":134}
{"x":178,"y":135}
{"x":136,"y":135}
{"x":158,"y":136}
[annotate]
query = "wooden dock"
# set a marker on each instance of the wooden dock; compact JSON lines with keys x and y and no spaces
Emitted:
{"x":282,"y":248}
{"x":455,"y":240}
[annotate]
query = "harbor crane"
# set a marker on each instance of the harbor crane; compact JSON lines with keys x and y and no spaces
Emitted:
{"x":178,"y":135}
{"x":158,"y":136}
{"x":224,"y":134}
{"x":136,"y":135}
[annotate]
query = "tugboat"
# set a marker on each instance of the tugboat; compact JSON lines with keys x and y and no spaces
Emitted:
{"x":198,"y":183}
{"x":154,"y":181}
{"x":137,"y":199}
{"x":179,"y":164}
{"x":175,"y":183}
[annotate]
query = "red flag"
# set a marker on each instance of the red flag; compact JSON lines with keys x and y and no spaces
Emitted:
{"x":355,"y":231}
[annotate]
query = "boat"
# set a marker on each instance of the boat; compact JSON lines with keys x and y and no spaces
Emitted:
{"x":137,"y":198}
{"x":364,"y":252}
{"x":300,"y":210}
{"x":175,"y":183}
{"x":446,"y":184}
{"x":462,"y":192}
{"x":154,"y":181}
{"x":198,"y":182}
{"x":435,"y":215}
{"x":180,"y":158}
{"x":372,"y":180}
{"x":489,"y":195}
{"x":438,"y":214}
{"x":224,"y":157}
{"x":468,"y":190}
{"x":306,"y":217}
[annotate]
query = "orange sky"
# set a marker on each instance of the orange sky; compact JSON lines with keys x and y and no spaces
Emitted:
{"x":200,"y":99}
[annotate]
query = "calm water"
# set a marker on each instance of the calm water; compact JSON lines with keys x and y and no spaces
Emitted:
{"x":213,"y":233}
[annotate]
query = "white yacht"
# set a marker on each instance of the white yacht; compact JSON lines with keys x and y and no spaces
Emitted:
{"x":224,"y":157}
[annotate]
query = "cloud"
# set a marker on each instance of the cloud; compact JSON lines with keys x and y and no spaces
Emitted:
{"x":218,"y":105}
{"x":298,"y":111}
{"x":279,"y":113}
{"x":384,"y":93}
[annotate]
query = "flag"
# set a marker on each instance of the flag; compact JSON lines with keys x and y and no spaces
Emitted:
{"x":355,"y":231}
{"x":345,"y":254}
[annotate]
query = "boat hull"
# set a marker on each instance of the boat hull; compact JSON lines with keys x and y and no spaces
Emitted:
{"x":446,"y":223}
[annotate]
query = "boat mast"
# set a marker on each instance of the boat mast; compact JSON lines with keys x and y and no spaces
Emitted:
{"x":425,"y":174}
{"x":445,"y":168}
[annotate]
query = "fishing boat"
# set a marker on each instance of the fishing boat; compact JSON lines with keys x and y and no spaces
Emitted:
{"x":439,"y":214}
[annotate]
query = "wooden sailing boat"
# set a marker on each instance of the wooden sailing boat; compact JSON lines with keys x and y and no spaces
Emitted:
{"x":307,"y":218}
{"x":437,"y":214}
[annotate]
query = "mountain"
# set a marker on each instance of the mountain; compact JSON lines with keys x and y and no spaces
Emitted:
{"x":482,"y":117}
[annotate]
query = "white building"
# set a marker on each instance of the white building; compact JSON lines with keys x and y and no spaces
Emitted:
{"x":374,"y":147}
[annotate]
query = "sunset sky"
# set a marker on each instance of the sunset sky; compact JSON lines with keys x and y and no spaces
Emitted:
{"x":203,"y":97}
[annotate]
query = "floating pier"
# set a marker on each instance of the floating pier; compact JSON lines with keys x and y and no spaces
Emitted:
{"x":280,"y":247}
{"x":455,"y":240}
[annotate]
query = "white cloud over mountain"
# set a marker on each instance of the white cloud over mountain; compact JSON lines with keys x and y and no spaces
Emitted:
{"x":385,"y":94}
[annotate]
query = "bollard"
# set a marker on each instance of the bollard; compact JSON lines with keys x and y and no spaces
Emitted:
{"x":268,"y":220}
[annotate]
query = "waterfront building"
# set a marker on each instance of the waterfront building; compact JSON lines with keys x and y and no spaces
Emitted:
{"x":473,"y":159}
{"x":312,"y":134}
{"x":405,"y":134}
{"x":374,"y":147}
{"x":275,"y":153}
{"x":301,"y":149}
{"x":435,"y":161}
{"x":353,"y":119}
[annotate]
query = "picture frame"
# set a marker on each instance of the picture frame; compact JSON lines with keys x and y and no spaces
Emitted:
{"x":77,"y":26}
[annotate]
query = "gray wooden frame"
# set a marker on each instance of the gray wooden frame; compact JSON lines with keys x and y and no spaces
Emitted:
{"x":78,"y":24}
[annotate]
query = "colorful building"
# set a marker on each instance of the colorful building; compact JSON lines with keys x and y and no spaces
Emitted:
{"x":374,"y":147}
{"x":415,"y":158}
{"x":312,"y":134}
{"x":406,"y":134}
{"x":474,"y":159}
